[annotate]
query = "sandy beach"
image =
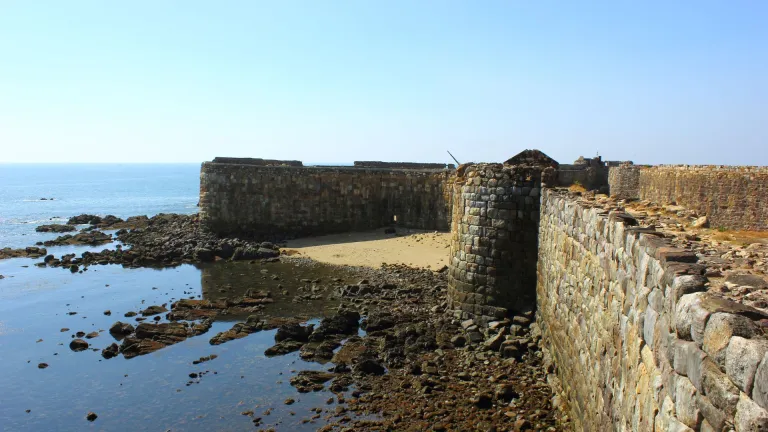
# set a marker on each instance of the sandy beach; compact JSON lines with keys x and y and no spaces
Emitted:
{"x":428,"y":249}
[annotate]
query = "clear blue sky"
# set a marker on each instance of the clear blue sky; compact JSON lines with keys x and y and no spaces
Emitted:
{"x":336,"y":81}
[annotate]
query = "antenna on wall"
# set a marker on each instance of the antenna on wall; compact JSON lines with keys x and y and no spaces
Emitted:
{"x":457,"y":162}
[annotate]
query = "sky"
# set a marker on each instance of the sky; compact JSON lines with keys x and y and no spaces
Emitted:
{"x":337,"y":81}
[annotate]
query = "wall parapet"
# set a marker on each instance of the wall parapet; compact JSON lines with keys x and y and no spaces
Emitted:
{"x":256,"y":161}
{"x":264,"y":200}
{"x":402,"y":165}
{"x":732,"y":197}
{"x":637,"y":340}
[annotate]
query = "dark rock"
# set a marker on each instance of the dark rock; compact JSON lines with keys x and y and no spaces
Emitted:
{"x":483,"y":400}
{"x":458,"y":341}
{"x":240,"y":330}
{"x":204,"y":255}
{"x":91,"y":416}
{"x":121,"y":328}
{"x":84,"y":219}
{"x":153,"y":310}
{"x":110,"y":351}
{"x":306,"y":381}
{"x":296,"y":332}
{"x":42,"y":365}
{"x":284,"y":347}
{"x":28,"y":252}
{"x":369,"y":367}
{"x":506,"y":392}
{"x":378,"y":321}
{"x":205,"y":359}
{"x":91,"y":238}
{"x":78,"y":345}
{"x":225,"y":251}
{"x":55,"y":228}
{"x":151,"y":337}
{"x":253,"y":252}
{"x":343,"y":323}
{"x":320,"y":352}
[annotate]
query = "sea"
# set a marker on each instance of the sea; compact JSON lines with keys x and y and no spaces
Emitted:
{"x":42,"y":308}
{"x":33,"y":194}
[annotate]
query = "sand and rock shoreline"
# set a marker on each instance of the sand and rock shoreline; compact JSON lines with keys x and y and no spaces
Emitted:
{"x":414,"y":366}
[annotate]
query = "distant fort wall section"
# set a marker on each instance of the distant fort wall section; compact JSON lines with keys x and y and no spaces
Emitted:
{"x":257,"y":196}
{"x":732,"y":197}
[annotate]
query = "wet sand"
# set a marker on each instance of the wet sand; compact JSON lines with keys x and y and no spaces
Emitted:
{"x":425,"y":249}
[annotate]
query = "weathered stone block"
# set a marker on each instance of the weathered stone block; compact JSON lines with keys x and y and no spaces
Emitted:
{"x":750,"y":416}
{"x":688,"y":362}
{"x":719,"y":388}
{"x":742,"y":359}
{"x":714,"y":416}
{"x":720,"y":328}
{"x":760,"y":390}
{"x":685,"y":402}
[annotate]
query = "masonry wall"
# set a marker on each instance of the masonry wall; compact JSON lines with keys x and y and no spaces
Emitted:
{"x":494,"y":239}
{"x":635,"y":341}
{"x":295,"y":200}
{"x":732,"y":197}
{"x":624,"y":181}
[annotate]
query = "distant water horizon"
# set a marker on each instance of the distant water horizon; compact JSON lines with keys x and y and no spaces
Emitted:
{"x":32,"y":194}
{"x":119,"y":189}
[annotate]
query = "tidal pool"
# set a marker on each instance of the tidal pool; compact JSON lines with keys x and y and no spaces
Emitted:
{"x":149,"y":392}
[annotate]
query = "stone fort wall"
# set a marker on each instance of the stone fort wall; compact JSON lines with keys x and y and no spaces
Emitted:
{"x":274,"y":198}
{"x":636,"y":341}
{"x":494,"y":239}
{"x":732,"y":197}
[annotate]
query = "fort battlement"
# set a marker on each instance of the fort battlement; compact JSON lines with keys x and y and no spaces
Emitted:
{"x":732,"y":197}
{"x":295,"y":200}
{"x":646,"y":326}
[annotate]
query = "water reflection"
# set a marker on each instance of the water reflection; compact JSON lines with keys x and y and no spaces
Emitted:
{"x":314,"y":285}
{"x":148,"y":392}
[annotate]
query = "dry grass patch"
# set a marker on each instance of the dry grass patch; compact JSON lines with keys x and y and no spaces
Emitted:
{"x":741,"y":237}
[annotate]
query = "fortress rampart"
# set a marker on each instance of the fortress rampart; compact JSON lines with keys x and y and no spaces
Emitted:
{"x":637,"y":338}
{"x":290,"y":199}
{"x":732,"y":197}
{"x":636,"y":334}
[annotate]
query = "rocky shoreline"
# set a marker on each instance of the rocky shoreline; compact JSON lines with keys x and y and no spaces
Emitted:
{"x":415,"y":366}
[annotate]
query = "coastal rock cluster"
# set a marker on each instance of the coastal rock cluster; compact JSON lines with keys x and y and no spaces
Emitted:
{"x":163,"y":240}
{"x":28,"y":252}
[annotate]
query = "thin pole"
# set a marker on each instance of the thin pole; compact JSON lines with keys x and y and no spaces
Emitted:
{"x":457,"y":162}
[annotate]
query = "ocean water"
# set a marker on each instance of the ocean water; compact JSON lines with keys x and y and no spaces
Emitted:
{"x":149,"y":392}
{"x":119,"y":189}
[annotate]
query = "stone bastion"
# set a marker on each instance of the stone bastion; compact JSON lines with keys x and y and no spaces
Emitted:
{"x":647,"y":321}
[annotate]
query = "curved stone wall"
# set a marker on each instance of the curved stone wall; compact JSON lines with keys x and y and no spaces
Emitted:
{"x":494,"y":239}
